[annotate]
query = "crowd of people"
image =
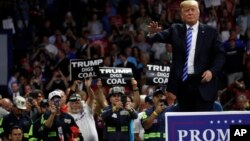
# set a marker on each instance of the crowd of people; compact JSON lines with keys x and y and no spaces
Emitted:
{"x":49,"y":33}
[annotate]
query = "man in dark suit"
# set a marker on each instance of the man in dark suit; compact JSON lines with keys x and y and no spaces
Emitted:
{"x":128,"y":64}
{"x":194,"y":73}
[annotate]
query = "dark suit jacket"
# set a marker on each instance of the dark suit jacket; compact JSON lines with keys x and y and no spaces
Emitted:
{"x":131,"y":65}
{"x":209,"y":55}
{"x":128,"y":65}
{"x":82,"y":52}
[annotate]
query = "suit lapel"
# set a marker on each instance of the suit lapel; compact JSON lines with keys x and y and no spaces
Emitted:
{"x":200,"y":39}
{"x":182,"y":34}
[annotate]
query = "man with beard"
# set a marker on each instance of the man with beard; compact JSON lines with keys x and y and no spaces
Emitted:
{"x":83,"y":113}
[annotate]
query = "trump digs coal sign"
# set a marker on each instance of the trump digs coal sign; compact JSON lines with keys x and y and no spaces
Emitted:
{"x":80,"y":69}
{"x":115,"y":75}
{"x":157,"y":74}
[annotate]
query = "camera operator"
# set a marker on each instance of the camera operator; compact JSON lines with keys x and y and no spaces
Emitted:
{"x":57,"y":125}
{"x":118,"y":115}
{"x":154,"y":117}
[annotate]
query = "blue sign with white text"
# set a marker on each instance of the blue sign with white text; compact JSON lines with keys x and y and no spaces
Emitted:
{"x":204,"y":126}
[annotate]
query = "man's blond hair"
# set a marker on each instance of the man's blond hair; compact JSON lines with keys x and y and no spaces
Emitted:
{"x":189,"y":3}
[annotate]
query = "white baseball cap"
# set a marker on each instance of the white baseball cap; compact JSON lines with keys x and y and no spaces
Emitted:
{"x":53,"y":94}
{"x":116,"y":90}
{"x":20,"y":102}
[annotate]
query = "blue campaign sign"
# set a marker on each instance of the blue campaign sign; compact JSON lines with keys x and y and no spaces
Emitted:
{"x":203,"y":126}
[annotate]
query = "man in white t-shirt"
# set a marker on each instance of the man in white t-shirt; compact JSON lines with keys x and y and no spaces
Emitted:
{"x":83,"y":113}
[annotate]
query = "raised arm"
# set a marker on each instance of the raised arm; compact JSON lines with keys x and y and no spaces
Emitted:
{"x":100,"y":96}
{"x":136,"y":93}
{"x":90,"y":92}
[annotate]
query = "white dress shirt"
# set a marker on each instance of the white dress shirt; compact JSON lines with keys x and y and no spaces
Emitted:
{"x":192,"y":50}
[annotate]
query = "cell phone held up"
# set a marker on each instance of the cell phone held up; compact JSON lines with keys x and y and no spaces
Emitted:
{"x":163,"y":102}
{"x":57,"y":102}
{"x":124,"y":100}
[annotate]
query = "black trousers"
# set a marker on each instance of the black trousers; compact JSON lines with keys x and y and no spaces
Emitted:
{"x":189,"y":98}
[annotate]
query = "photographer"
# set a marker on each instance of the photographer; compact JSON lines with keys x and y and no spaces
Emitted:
{"x":33,"y":104}
{"x":58,"y":81}
{"x":118,"y":115}
{"x":33,"y":109}
{"x":154,"y":117}
{"x":57,"y":125}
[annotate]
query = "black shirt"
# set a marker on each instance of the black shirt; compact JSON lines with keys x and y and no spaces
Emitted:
{"x":61,"y":124}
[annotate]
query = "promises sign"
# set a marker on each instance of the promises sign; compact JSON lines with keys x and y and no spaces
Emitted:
{"x":206,"y":126}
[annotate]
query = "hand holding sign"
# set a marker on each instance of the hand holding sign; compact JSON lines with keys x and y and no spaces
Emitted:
{"x":133,"y":82}
{"x":88,"y":82}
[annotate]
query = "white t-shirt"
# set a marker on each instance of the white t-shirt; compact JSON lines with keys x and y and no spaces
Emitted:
{"x":138,"y":127}
{"x":86,"y":124}
{"x":158,"y":48}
